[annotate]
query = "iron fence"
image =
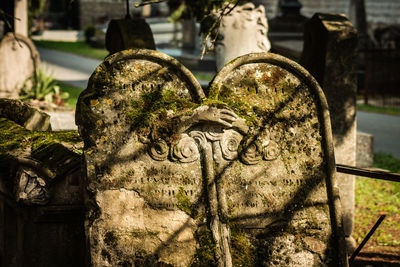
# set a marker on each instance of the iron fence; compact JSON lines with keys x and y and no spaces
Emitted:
{"x":381,"y":83}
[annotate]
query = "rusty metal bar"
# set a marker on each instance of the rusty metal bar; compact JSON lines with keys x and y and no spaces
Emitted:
{"x":128,"y":14}
{"x":367,"y":237}
{"x":382,"y":175}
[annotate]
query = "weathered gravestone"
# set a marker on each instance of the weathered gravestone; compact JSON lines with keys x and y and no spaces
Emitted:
{"x":25,"y":115}
{"x":330,"y":53}
{"x":19,"y":59}
{"x":242,"y":174}
{"x":128,"y":33}
{"x":41,"y":203}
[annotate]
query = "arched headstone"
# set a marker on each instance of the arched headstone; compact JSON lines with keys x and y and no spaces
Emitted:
{"x":242,"y":174}
{"x":19,"y":60}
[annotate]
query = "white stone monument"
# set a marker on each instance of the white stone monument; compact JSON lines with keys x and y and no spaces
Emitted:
{"x":242,"y":31}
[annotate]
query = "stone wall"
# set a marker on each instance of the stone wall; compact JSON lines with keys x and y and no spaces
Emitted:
{"x":383,"y":11}
{"x":378,"y":11}
{"x":100,"y":11}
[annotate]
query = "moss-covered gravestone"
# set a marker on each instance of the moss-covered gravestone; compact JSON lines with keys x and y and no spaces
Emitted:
{"x":242,"y":174}
{"x":41,"y":203}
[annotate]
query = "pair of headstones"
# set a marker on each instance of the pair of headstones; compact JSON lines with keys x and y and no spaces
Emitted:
{"x":242,"y":173}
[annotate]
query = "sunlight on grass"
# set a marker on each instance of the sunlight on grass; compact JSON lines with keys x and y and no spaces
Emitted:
{"x":374,"y":197}
{"x":78,"y":48}
{"x":73,"y":94}
{"x":369,"y":108}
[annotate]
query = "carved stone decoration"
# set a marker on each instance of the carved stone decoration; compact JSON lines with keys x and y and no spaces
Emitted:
{"x":242,"y":31}
{"x":185,"y":150}
{"x":159,"y":150}
{"x":230,"y":142}
{"x":31,"y":188}
{"x":270,"y":151}
{"x":251,"y":153}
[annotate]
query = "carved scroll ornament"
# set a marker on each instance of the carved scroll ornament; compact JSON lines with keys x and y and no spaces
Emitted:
{"x":210,"y":124}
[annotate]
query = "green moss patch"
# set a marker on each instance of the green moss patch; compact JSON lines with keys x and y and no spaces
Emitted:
{"x":184,"y":203}
{"x":152,"y":110}
{"x":204,"y":255}
{"x":243,"y":252}
{"x":225,"y":97}
{"x":15,"y":137}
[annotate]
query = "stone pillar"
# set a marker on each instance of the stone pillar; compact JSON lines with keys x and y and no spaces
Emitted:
{"x":21,"y":17}
{"x":330,"y":51}
{"x":358,"y":16}
{"x":19,"y":60}
{"x":241,"y":32}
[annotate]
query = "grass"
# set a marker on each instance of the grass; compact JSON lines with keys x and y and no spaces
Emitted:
{"x":203,"y":76}
{"x":369,"y":108}
{"x":83,"y":49}
{"x":73,"y":94}
{"x":374,"y":197}
{"x":78,"y":48}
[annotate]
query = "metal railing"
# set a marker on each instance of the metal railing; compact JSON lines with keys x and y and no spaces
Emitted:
{"x":370,"y":173}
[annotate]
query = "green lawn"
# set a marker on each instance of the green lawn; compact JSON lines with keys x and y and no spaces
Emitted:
{"x":78,"y":48}
{"x":374,"y":197}
{"x":73,"y":94}
{"x":369,"y":108}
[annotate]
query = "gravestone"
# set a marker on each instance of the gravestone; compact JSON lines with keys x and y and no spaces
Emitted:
{"x":19,"y":59}
{"x":330,"y":55}
{"x":244,"y":30}
{"x":41,"y":203}
{"x":128,"y":33}
{"x":241,"y":174}
{"x":25,"y":115}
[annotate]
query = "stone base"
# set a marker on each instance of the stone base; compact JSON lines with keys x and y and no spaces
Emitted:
{"x":365,"y":150}
{"x":350,"y":245}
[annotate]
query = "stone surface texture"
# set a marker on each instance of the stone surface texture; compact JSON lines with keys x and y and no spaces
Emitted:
{"x":18,"y":61}
{"x":25,"y":115}
{"x":242,"y":31}
{"x":330,"y":51}
{"x":241,"y":174}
